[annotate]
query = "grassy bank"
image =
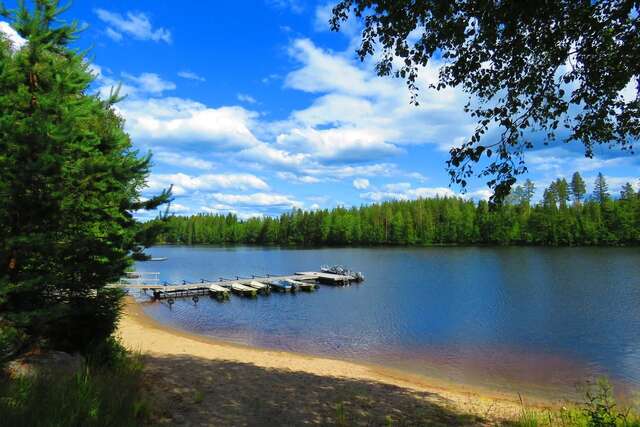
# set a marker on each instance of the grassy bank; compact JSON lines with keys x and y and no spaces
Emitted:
{"x":107,"y":391}
{"x":599,"y":409}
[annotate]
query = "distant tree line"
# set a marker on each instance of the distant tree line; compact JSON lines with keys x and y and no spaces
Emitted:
{"x":566,"y":215}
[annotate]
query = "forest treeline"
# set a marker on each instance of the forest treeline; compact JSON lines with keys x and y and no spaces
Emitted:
{"x":565,"y":215}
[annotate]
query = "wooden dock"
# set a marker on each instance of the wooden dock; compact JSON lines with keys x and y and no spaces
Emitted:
{"x":329,"y":278}
{"x":221,"y":288}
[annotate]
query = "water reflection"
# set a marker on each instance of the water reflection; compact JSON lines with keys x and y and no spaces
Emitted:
{"x":505,"y":317}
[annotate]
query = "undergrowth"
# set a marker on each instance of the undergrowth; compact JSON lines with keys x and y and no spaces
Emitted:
{"x":599,"y":409}
{"x":107,"y":391}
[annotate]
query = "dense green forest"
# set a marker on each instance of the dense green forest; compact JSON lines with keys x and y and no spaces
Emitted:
{"x":566,"y":215}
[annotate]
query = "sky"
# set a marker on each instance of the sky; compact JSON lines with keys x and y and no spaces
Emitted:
{"x":256,"y":108}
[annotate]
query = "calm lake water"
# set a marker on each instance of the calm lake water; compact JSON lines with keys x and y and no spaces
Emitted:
{"x":536,"y":320}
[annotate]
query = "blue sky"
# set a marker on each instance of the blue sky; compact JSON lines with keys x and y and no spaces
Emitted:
{"x":255,"y":107}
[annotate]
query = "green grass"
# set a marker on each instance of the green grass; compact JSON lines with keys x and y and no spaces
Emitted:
{"x":598,"y":410}
{"x":106,"y":392}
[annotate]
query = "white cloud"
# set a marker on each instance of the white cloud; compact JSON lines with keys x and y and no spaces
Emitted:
{"x":361,"y":183}
{"x":482,"y":194}
{"x":399,"y":186}
{"x":150,"y":83}
{"x":12,"y":35}
{"x":350,"y":28}
{"x":182,"y":160}
{"x":182,"y":120}
{"x":191,"y":76}
{"x":257,"y":200}
{"x":113,"y":34}
{"x":328,"y":72}
{"x":344,"y":145}
{"x":184,"y":184}
{"x":242,"y":97}
{"x":561,"y":162}
{"x":179,"y":208}
{"x":297,"y":179}
{"x":360,"y":116}
{"x":295,"y":6}
{"x":134,"y":24}
{"x":409,"y":194}
{"x":271,"y":78}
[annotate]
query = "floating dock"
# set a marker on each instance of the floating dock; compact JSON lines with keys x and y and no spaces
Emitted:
{"x":241,"y":289}
{"x":263,"y":288}
{"x":307,"y":281}
{"x":303,"y":286}
{"x":329,"y":278}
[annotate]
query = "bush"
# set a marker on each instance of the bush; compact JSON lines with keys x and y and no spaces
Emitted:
{"x":106,"y":392}
{"x":598,"y":410}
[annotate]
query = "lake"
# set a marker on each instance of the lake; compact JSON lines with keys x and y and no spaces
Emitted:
{"x":534,"y":320}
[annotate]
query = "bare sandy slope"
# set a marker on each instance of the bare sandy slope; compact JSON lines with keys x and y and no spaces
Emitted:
{"x":200,"y":381}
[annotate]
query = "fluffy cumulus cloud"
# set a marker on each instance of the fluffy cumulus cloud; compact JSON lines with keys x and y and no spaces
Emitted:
{"x":177,"y":120}
{"x":181,"y":160}
{"x":184,"y":185}
{"x":150,"y":83}
{"x":354,"y":132}
{"x":12,"y":35}
{"x":361,"y":183}
{"x":256,"y":200}
{"x":560,"y":161}
{"x":298,"y":179}
{"x":404,"y":191}
{"x":358,"y":116}
{"x":136,"y":25}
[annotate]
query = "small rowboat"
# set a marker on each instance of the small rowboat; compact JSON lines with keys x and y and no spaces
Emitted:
{"x":218,"y":291}
{"x":260,"y":287}
{"x":304,"y":286}
{"x":243,"y":290}
{"x":283,"y":286}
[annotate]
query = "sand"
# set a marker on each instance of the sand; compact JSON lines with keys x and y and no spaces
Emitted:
{"x":194,"y":380}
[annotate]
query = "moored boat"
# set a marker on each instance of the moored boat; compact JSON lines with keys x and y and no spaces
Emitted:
{"x":259,"y":286}
{"x":282,"y":286}
{"x":356,"y":276}
{"x":303,"y":286}
{"x":243,"y":290}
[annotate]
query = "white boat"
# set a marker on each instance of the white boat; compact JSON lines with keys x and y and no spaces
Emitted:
{"x":218,"y":291}
{"x":302,"y":285}
{"x":243,"y":290}
{"x":261,"y":287}
{"x":217,"y":288}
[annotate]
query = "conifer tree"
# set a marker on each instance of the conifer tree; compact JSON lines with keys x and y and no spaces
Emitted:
{"x":530,"y":190}
{"x":601,"y":189}
{"x":561,"y":189}
{"x":578,"y":188}
{"x":70,"y":182}
{"x":627,"y":192}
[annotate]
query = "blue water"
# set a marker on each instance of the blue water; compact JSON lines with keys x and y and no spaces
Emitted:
{"x":519,"y":319}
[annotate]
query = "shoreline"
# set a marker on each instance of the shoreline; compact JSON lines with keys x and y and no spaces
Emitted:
{"x":139,"y":332}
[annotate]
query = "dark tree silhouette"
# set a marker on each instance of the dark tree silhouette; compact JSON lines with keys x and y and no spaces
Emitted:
{"x":540,"y":65}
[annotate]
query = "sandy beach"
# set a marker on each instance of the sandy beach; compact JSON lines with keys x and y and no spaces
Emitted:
{"x":195,"y":380}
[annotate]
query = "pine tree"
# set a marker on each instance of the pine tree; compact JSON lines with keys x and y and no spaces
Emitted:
{"x":529,"y":191}
{"x":578,"y":188}
{"x":601,"y":189}
{"x":561,"y":189}
{"x":627,"y":192}
{"x":549,"y":197}
{"x":69,"y":182}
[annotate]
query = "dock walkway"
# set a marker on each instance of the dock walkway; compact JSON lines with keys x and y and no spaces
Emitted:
{"x":221,"y":288}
